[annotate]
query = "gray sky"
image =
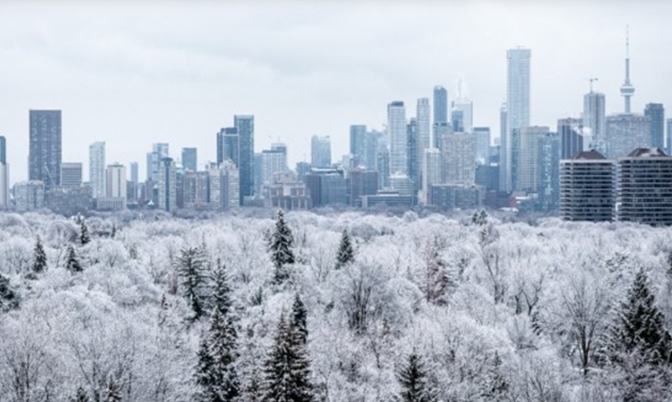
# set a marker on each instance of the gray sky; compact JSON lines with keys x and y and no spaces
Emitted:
{"x":133,"y":74}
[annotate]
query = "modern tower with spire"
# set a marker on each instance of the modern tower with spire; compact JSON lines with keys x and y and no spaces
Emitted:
{"x":627,"y":89}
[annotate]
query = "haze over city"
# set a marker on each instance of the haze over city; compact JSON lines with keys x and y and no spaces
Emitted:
{"x":176,"y":72}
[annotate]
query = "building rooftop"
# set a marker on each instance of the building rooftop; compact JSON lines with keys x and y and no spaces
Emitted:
{"x":590,"y":155}
{"x":648,"y":152}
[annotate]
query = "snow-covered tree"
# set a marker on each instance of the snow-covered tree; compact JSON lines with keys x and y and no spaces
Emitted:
{"x":80,"y":396}
{"x":222,"y":347}
{"x":287,"y":367}
{"x":112,"y":392}
{"x":346,"y":254}
{"x":191,"y":266}
{"x":39,"y":257}
{"x":479,"y":217}
{"x":72,"y":263}
{"x":84,"y":236}
{"x":8,"y":299}
{"x":415,"y":383}
{"x":300,"y":318}
{"x":281,"y":248}
{"x":438,"y":279}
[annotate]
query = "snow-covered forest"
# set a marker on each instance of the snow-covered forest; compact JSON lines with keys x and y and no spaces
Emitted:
{"x":349,"y":307}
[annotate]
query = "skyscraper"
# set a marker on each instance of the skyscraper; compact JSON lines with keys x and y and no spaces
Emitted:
{"x":482,"y":135}
{"x":594,"y":119}
{"x":572,"y":140}
{"x":413,"y":166}
{"x":115,"y":182}
{"x":44,"y":160}
{"x":159,"y":151}
{"x":71,"y":174}
{"x":548,"y":171}
{"x":424,"y":133}
{"x":166,"y":185}
{"x":587,"y":187}
{"x":397,"y":134}
{"x":4,"y":174}
{"x":431,"y":170}
{"x":358,"y":144}
{"x":440,"y":104}
{"x":97,"y":169}
{"x":669,"y":136}
{"x":320,"y":151}
{"x":245,"y":126}
{"x":656,"y":112}
{"x":273,"y":161}
{"x":627,"y":132}
{"x":190,"y":159}
{"x":518,"y":107}
{"x":466,"y":108}
{"x":3,"y":150}
{"x":227,"y":145}
{"x":528,"y":159}
{"x":459,"y":161}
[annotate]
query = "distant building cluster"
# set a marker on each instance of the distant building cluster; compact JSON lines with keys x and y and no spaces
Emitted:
{"x":593,"y":167}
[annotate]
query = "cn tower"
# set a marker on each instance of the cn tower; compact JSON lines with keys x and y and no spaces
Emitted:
{"x":627,"y":90}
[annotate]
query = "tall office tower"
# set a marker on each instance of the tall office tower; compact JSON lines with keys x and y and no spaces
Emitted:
{"x":465,"y":107}
{"x":656,"y":112}
{"x":595,"y":121}
{"x":358,"y":144}
{"x":224,"y":186}
{"x":397,"y":135}
{"x":44,"y":160}
{"x":457,"y":119}
{"x":518,"y":107}
{"x":413,"y":167}
{"x":245,"y":126}
{"x":424,"y":130}
{"x":627,"y":89}
{"x":572,"y":139}
{"x":4,"y":174}
{"x":272,"y":163}
{"x":167,"y":185}
{"x":320,"y":152}
{"x":482,"y":135}
{"x":440,"y":105}
{"x":159,"y":151}
{"x":431,"y":171}
{"x":371,"y":148}
{"x":190,"y":159}
{"x":504,"y":143}
{"x":669,"y":136}
{"x":134,"y":173}
{"x":627,"y":132}
{"x":258,"y":172}
{"x":326,"y":187}
{"x":459,"y":162}
{"x":134,"y":182}
{"x":528,"y":158}
{"x":441,"y":130}
{"x":227,"y":145}
{"x":644,"y":193}
{"x":587,"y":187}
{"x":71,"y":174}
{"x":97,"y":169}
{"x":361,"y":182}
{"x":116,"y":182}
{"x":548,"y":171}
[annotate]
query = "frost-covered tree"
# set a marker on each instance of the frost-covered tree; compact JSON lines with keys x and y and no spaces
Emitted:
{"x":84,"y":236}
{"x":8,"y":299}
{"x":39,"y":257}
{"x":281,"y":249}
{"x":222,"y":347}
{"x":112,"y":391}
{"x":222,"y":292}
{"x":191,"y":266}
{"x":479,"y":217}
{"x":437,"y":277}
{"x":203,"y":375}
{"x":346,"y":254}
{"x":72,"y":263}
{"x":495,"y":386}
{"x":287,"y":367}
{"x":300,"y":318}
{"x":80,"y":396}
{"x":415,"y":383}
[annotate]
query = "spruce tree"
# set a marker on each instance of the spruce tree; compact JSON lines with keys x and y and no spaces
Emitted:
{"x":640,"y":327}
{"x":71,"y":261}
{"x":287,"y":368}
{"x":80,"y":396}
{"x":222,"y":292}
{"x":222,"y":346}
{"x":346,"y":254}
{"x":39,"y":258}
{"x":84,"y":237}
{"x":414,"y":382}
{"x":8,"y":299}
{"x":204,"y":373}
{"x":191,"y":266}
{"x":300,"y":318}
{"x":281,"y":249}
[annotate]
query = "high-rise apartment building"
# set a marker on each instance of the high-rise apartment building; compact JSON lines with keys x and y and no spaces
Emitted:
{"x":190,"y":159}
{"x":116,"y":183}
{"x":627,"y":132}
{"x":167,"y":188}
{"x":44,"y":159}
{"x":224,"y":186}
{"x":669,"y":136}
{"x":594,"y":119}
{"x":587,"y":187}
{"x":572,"y":140}
{"x":398,"y":137}
{"x":504,"y":143}
{"x":528,"y":158}
{"x":656,"y":112}
{"x":413,"y":165}
{"x":4,"y":174}
{"x":245,"y":126}
{"x":3,"y":149}
{"x":548,"y":171}
{"x":424,"y":132}
{"x":518,"y":107}
{"x":431,"y":171}
{"x":159,"y":151}
{"x":465,"y":107}
{"x":320,"y":152}
{"x":227,"y":145}
{"x":459,"y":161}
{"x":440,"y":105}
{"x":358,"y":144}
{"x":97,"y":169}
{"x":71,"y":174}
{"x":482,"y":138}
{"x":273,"y":161}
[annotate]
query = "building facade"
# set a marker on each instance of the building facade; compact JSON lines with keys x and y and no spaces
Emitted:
{"x":656,"y":112}
{"x":97,"y":169}
{"x":45,"y":153}
{"x":71,"y":174}
{"x":320,"y":151}
{"x":594,"y":119}
{"x":518,"y":106}
{"x":397,"y":137}
{"x":458,"y":158}
{"x":627,"y":132}
{"x":167,"y":186}
{"x":190,"y":159}
{"x":587,"y":188}
{"x":245,"y":126}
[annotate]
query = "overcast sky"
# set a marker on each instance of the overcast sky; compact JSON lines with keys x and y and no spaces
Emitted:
{"x":176,"y":72}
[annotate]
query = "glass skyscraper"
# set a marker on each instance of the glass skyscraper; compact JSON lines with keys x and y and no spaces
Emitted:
{"x":245,"y":126}
{"x":44,"y":159}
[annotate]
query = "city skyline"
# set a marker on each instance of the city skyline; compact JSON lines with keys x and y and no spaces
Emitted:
{"x":193,"y":118}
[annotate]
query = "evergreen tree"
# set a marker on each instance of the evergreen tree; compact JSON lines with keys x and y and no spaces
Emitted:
{"x":204,"y":373}
{"x":71,"y":261}
{"x":191,"y":266}
{"x":84,"y":237}
{"x":300,"y":318}
{"x":287,"y":368}
{"x":640,"y":326}
{"x":413,"y":379}
{"x":222,"y":346}
{"x":479,"y":217}
{"x":112,"y":393}
{"x":437,"y":277}
{"x":281,"y":249}
{"x":222,"y":292}
{"x":80,"y":396}
{"x":346,"y":254}
{"x":495,"y":386}
{"x":8,"y":299}
{"x":39,"y":258}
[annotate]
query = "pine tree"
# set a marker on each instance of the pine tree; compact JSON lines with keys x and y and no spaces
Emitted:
{"x":346,"y":254}
{"x":281,"y":249}
{"x":71,"y":261}
{"x":39,"y":258}
{"x":112,"y":393}
{"x":437,"y":278}
{"x":287,"y":368}
{"x":8,"y":299}
{"x":413,"y":379}
{"x":222,"y":292}
{"x":191,"y":266}
{"x":204,"y":373}
{"x":80,"y":396}
{"x":300,"y":318}
{"x":84,"y":237}
{"x":640,"y":327}
{"x":222,"y":346}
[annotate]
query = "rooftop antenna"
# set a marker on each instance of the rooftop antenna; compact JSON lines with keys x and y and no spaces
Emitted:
{"x":591,"y":83}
